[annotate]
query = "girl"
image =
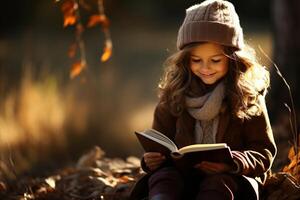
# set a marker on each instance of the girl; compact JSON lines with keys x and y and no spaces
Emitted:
{"x":212,"y":91}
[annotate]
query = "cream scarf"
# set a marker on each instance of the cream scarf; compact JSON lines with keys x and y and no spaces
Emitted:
{"x":205,"y":109}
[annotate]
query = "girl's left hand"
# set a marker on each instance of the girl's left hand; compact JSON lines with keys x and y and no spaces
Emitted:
{"x":212,"y":167}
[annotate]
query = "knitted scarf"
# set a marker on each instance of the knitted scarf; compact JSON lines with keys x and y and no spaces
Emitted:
{"x":205,"y":109}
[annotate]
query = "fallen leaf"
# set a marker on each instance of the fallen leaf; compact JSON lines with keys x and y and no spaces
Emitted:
{"x":125,"y":179}
{"x":2,"y":186}
{"x":42,"y":190}
{"x":89,"y":159}
{"x":51,"y":182}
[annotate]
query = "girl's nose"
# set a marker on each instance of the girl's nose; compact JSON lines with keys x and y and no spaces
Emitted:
{"x":205,"y":66}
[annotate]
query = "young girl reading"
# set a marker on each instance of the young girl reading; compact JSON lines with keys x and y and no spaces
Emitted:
{"x":212,"y":91}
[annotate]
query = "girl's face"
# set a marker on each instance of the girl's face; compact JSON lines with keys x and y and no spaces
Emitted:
{"x":208,"y":62}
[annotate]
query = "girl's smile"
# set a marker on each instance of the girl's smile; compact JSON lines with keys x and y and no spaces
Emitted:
{"x":209,"y":62}
{"x":207,"y":75}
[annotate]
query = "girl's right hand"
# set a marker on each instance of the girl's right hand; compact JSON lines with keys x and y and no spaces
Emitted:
{"x":153,"y":160}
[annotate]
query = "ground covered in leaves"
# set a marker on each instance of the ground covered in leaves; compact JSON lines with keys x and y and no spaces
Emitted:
{"x":94,"y":177}
{"x":97,"y":177}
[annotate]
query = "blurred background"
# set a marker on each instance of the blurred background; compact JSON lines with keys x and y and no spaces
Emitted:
{"x":47,"y":120}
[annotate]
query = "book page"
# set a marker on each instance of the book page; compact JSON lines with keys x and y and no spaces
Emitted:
{"x":160,"y":138}
{"x":202,"y":147}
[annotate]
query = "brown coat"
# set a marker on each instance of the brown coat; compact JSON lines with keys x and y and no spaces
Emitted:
{"x":251,"y":140}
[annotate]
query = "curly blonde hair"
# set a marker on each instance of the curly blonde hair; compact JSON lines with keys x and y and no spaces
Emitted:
{"x":245,"y":80}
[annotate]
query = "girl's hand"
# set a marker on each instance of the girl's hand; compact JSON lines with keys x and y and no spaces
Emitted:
{"x":153,"y":160}
{"x":212,"y":167}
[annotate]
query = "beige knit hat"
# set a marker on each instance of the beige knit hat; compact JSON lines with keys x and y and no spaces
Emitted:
{"x":211,"y":21}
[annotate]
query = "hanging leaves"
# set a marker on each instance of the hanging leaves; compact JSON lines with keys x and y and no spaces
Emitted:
{"x":71,"y":12}
{"x":68,"y":9}
{"x":102,"y":19}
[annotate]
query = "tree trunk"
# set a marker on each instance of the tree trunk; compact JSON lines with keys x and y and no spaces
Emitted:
{"x":286,"y":17}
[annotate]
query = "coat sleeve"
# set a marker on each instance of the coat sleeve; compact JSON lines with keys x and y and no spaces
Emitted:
{"x":164,"y":122}
{"x":259,"y":146}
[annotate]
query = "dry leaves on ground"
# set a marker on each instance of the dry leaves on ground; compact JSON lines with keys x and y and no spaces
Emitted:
{"x":94,"y":177}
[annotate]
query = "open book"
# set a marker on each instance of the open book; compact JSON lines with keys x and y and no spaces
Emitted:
{"x":188,"y":156}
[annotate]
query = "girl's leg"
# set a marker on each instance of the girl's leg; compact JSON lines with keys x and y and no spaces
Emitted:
{"x":166,"y":184}
{"x":217,"y":187}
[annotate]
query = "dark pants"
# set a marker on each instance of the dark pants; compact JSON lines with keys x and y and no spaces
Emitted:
{"x":174,"y":185}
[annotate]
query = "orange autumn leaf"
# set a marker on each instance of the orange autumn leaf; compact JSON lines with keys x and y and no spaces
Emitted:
{"x":93,"y":20}
{"x":289,"y":168}
{"x":69,"y":20}
{"x":125,"y":179}
{"x":68,"y":8}
{"x":285,"y":169}
{"x":77,"y":69}
{"x":98,"y":19}
{"x":291,"y":153}
{"x":106,"y":55}
{"x":107,"y":51}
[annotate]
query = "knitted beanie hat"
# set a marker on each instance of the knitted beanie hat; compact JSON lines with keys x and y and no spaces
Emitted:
{"x":211,"y":21}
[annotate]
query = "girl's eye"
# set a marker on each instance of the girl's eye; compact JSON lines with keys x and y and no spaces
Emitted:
{"x":216,"y":60}
{"x":196,"y":60}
